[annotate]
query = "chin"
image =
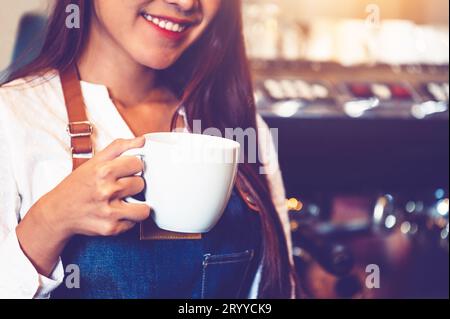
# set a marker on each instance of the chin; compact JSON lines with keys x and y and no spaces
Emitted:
{"x":159,"y":62}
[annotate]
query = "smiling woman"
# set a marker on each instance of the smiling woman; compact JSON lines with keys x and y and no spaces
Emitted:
{"x":156,"y":44}
{"x":142,"y":67}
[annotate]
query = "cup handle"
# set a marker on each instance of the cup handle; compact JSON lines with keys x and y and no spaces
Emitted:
{"x":138,"y":152}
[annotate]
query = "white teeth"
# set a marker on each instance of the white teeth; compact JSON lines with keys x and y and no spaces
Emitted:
{"x":164,"y":24}
{"x":176,"y":28}
{"x":169,"y":26}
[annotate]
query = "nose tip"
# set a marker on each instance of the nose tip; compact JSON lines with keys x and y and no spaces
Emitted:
{"x":185,"y":5}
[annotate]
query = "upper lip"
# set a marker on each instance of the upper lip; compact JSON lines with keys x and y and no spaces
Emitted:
{"x":172,"y":19}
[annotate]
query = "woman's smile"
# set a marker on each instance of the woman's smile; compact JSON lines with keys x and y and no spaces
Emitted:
{"x":169,"y":27}
{"x":155,"y":33}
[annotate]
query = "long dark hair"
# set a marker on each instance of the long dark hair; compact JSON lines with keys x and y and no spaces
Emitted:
{"x":214,"y":84}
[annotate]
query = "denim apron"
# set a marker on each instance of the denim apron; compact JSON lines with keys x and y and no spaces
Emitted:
{"x":222,"y":264}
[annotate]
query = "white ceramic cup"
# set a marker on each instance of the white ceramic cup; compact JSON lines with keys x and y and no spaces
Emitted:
{"x":189,"y":179}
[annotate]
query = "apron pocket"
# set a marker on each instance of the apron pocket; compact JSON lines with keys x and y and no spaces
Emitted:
{"x":224,"y":275}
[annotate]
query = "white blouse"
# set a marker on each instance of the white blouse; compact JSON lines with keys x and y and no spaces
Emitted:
{"x":35,"y":156}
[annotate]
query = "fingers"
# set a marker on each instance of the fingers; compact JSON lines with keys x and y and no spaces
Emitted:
{"x":132,"y":212}
{"x":129,"y":186}
{"x":120,"y":146}
{"x":118,"y":218}
{"x":123,"y":166}
{"x":124,"y":226}
{"x":108,"y":228}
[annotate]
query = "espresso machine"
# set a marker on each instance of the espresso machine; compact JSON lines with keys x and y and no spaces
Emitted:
{"x":364,"y":155}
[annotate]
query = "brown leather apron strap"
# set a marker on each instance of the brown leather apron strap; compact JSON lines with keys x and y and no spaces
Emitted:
{"x":79,"y":127}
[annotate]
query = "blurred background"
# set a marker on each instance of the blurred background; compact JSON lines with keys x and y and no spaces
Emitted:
{"x":359,"y":92}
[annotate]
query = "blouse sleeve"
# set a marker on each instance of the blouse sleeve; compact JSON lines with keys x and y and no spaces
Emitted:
{"x":18,"y":277}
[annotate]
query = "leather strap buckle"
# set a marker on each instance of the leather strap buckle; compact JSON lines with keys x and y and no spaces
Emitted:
{"x":82,"y":155}
{"x":80,"y":129}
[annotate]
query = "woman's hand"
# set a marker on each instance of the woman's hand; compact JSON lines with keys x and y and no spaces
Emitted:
{"x":88,"y":202}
